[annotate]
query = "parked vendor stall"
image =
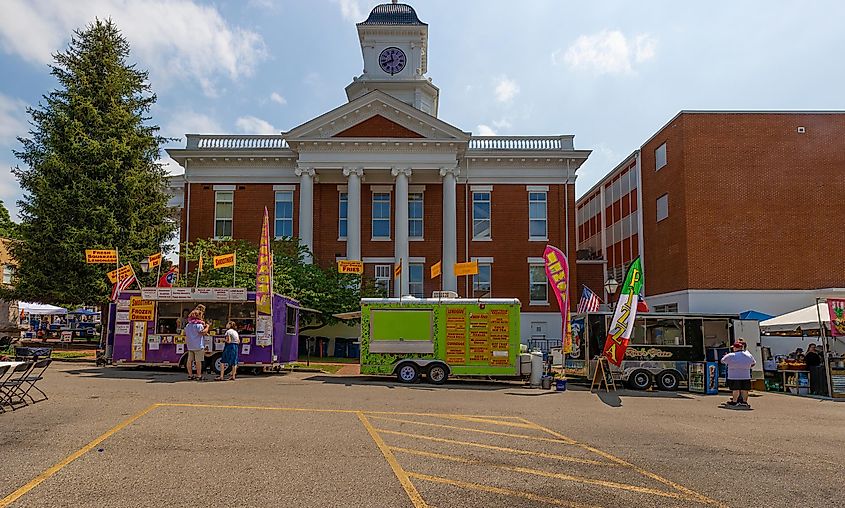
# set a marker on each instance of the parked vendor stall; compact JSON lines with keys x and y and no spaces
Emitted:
{"x":146,"y":328}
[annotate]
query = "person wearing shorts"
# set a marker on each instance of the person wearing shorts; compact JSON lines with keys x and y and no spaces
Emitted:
{"x":195,"y":332}
{"x":739,"y":364}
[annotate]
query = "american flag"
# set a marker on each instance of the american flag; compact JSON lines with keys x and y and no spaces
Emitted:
{"x":589,"y":301}
{"x":122,"y":285}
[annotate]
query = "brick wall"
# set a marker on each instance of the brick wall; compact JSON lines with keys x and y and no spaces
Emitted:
{"x":590,"y":274}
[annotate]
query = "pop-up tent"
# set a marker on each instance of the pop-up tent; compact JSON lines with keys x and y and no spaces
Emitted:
{"x":806,"y":319}
{"x":41,"y":309}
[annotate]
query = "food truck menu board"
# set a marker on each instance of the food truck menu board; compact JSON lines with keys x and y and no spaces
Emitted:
{"x":479,"y":337}
{"x":195,"y":294}
{"x":139,"y":336}
{"x":456,"y":326}
{"x":499,"y":337}
{"x":837,"y":382}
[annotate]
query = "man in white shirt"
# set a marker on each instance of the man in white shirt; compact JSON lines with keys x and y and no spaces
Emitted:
{"x":739,"y":365}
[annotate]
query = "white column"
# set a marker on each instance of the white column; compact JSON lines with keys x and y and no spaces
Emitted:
{"x":400,"y":240}
{"x":306,"y":208}
{"x":450,"y":228}
{"x":353,"y":212}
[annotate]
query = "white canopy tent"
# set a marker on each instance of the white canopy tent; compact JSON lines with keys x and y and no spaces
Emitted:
{"x":806,"y":319}
{"x":41,"y":309}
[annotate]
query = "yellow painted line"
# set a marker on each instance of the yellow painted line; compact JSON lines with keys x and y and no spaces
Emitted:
{"x":477,"y":419}
{"x":517,"y":451}
{"x":55,"y":468}
{"x":400,"y":473}
{"x":501,"y":491}
{"x":264,"y":408}
{"x":689,"y":492}
{"x":545,"y":474}
{"x":480,"y":431}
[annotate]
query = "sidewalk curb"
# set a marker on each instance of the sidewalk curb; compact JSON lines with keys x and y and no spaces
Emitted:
{"x":75,"y":360}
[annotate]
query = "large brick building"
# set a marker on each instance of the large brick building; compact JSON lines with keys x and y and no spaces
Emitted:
{"x":731,"y":211}
{"x":382,"y":179}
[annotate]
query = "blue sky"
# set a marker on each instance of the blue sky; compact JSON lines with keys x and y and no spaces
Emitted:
{"x":610,"y":72}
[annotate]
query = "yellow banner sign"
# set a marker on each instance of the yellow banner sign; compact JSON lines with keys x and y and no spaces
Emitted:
{"x":224,"y":260}
{"x":468,"y":268}
{"x":397,"y":269}
{"x":350,"y":266}
{"x":154,"y":260}
{"x":435,"y":270}
{"x":126,"y":271}
{"x":141,"y":310}
{"x":100,"y":256}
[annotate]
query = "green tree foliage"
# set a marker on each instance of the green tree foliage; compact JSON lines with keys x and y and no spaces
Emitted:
{"x":317,"y":287}
{"x":90,"y":179}
{"x":8,"y":229}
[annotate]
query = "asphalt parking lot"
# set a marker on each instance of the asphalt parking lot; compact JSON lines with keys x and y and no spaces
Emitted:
{"x":123,"y":437}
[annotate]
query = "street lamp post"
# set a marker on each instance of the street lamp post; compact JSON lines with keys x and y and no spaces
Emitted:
{"x":610,"y":287}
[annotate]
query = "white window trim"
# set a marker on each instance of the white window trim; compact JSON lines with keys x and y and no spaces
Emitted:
{"x":483,"y":261}
{"x":292,"y":201}
{"x":223,"y":188}
{"x":538,"y":189}
{"x":537,"y":303}
{"x":232,"y":190}
{"x":473,"y":190}
{"x":378,"y":261}
{"x":340,"y":191}
{"x":416,"y":191}
{"x":422,"y":281}
{"x":382,"y":189}
{"x":481,"y":188}
{"x":284,"y":188}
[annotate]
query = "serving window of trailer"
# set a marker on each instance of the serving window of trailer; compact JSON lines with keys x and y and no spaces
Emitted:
{"x":662,"y":331}
{"x":173,"y":316}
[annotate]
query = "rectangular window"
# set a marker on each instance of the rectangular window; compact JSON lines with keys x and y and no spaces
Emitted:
{"x":383,"y":274}
{"x":284,"y":214}
{"x":660,"y":157}
{"x":663,"y":332}
{"x":481,"y":282}
{"x":8,"y":274}
{"x":342,"y":215}
{"x":537,"y":229}
{"x":223,"y":213}
{"x":669,"y":307}
{"x":415,"y":215}
{"x":538,"y":291}
{"x":481,"y":216}
{"x":415,"y":280}
{"x":381,"y":215}
{"x":290,"y":320}
{"x":662,"y":207}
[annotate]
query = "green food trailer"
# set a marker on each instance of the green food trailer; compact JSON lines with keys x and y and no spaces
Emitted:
{"x":411,"y":337}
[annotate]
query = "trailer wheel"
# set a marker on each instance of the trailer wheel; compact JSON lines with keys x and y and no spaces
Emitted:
{"x":408,"y":373}
{"x":639,"y":380}
{"x":437,"y":374}
{"x":668,"y":380}
{"x":216,"y":364}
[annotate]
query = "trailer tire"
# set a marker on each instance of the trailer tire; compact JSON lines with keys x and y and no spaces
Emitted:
{"x":216,"y":363}
{"x":408,"y":372}
{"x":437,"y":374}
{"x":640,"y":380}
{"x":668,"y":380}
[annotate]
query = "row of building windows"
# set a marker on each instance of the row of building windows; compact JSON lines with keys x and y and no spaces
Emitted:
{"x":482,"y":282}
{"x":381,"y":227}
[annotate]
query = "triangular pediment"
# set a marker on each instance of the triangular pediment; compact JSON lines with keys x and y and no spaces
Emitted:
{"x":376,"y":115}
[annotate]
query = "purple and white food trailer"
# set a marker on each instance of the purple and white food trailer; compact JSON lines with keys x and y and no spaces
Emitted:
{"x":147,"y":325}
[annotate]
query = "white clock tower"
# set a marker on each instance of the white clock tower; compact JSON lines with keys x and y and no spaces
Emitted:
{"x":394,"y":44}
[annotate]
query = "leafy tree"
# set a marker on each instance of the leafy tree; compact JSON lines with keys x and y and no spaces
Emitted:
{"x":91,"y":178}
{"x":8,"y":229}
{"x":318,"y":287}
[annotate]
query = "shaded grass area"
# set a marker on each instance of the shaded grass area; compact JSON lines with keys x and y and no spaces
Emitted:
{"x":64,"y":355}
{"x":328,"y":369}
{"x":327,"y":359}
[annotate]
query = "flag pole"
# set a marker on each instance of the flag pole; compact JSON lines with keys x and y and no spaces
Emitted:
{"x":117,"y":260}
{"x":199,"y":269}
{"x":160,"y":261}
{"x":234,"y":267}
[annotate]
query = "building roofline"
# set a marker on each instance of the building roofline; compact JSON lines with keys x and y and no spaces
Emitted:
{"x":610,"y":173}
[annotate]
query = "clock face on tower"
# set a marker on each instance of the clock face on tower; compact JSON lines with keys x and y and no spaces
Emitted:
{"x":392,"y":60}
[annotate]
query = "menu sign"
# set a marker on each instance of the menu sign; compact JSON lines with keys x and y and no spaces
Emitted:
{"x":195,"y":294}
{"x":456,"y":329}
{"x":479,"y":337}
{"x":499,"y":337}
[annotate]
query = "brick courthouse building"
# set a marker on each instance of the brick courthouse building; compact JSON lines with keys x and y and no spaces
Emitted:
{"x":381,"y":178}
{"x":731,"y":211}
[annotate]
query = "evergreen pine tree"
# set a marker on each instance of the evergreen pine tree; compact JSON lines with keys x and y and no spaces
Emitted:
{"x":8,"y":229}
{"x":91,"y":178}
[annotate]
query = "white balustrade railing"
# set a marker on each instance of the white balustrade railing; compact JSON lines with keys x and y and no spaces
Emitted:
{"x":528,"y":143}
{"x":236,"y":141}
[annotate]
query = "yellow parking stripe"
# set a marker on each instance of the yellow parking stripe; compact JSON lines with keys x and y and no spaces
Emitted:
{"x":689,"y":492}
{"x":14,"y":496}
{"x":499,"y":490}
{"x":545,"y":474}
{"x":400,"y":473}
{"x":480,"y":431}
{"x":517,"y":451}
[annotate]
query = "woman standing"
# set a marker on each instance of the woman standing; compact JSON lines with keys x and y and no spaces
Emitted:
{"x":230,"y":351}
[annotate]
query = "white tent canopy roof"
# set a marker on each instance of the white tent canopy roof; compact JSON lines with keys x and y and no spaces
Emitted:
{"x":806,"y":318}
{"x":41,"y":309}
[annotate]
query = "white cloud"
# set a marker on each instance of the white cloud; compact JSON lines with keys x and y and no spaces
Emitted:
{"x":171,"y":166}
{"x":350,"y":10}
{"x":275,"y":97}
{"x":175,"y":40}
{"x":190,"y":122}
{"x":485,"y":130}
{"x":10,"y":191}
{"x":506,"y":89}
{"x":254,"y":125}
{"x":607,"y":52}
{"x":502,"y":123}
{"x":12,"y":119}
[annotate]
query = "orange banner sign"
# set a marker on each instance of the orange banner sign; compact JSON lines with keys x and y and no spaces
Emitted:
{"x":141,"y":310}
{"x":469,"y":268}
{"x":154,"y":260}
{"x":224,"y":261}
{"x":100,"y":256}
{"x":397,"y":269}
{"x":126,"y":271}
{"x":350,"y":266}
{"x":435,"y":270}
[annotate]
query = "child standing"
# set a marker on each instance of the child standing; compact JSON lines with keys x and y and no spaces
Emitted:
{"x":230,"y":351}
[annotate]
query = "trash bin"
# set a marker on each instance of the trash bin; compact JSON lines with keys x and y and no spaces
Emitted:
{"x":546,"y":382}
{"x":324,"y":346}
{"x":354,"y":350}
{"x":560,"y":385}
{"x":340,"y":347}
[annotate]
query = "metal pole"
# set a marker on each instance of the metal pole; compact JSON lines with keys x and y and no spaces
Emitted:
{"x":160,"y":261}
{"x":825,"y":348}
{"x":117,"y":260}
{"x":234,"y":267}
